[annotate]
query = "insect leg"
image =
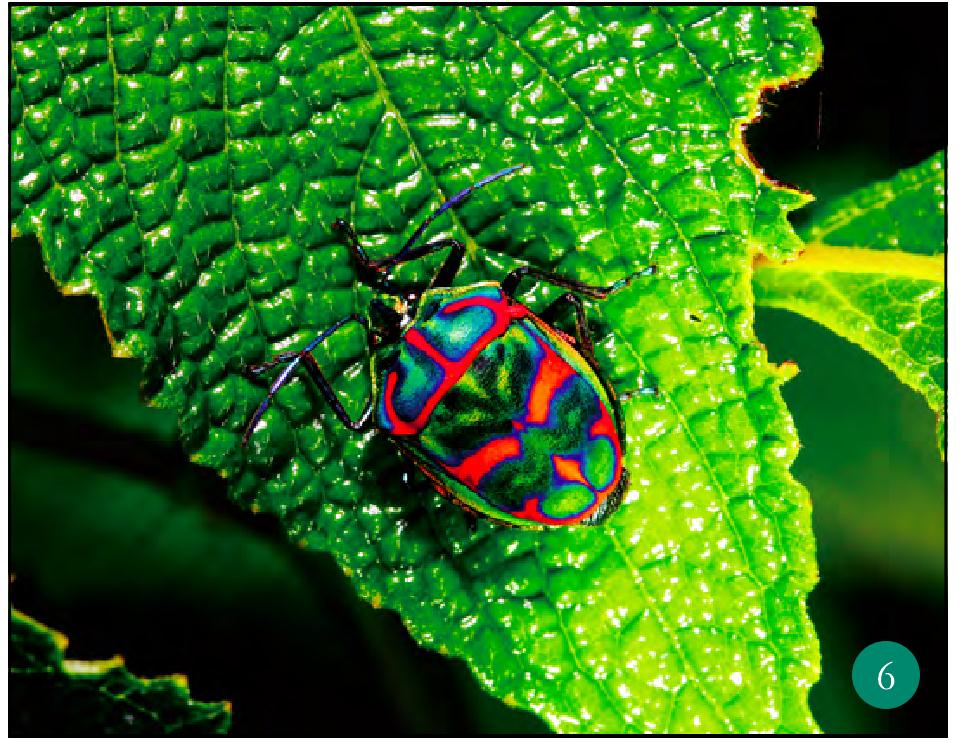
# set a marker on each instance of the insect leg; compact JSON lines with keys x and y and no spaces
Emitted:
{"x":448,"y":269}
{"x":378,"y":269}
{"x":584,"y":342}
{"x":341,"y":225}
{"x":306,"y":356}
{"x":552,"y":314}
{"x":320,"y":381}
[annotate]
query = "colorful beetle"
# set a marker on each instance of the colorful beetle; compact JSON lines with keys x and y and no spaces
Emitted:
{"x":508,"y":416}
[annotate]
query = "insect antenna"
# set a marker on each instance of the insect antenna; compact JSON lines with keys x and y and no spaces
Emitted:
{"x":451,"y":202}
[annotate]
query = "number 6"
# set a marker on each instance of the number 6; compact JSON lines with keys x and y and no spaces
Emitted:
{"x":881,"y":675}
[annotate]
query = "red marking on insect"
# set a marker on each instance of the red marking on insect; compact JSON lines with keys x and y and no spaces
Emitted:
{"x":603,"y":426}
{"x":475,"y":466}
{"x":397,"y":426}
{"x":504,"y":312}
{"x":551,"y":374}
{"x":570,"y":470}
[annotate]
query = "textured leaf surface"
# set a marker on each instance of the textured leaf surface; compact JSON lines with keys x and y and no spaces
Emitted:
{"x":185,"y":165}
{"x":873,"y":272}
{"x":52,"y":695}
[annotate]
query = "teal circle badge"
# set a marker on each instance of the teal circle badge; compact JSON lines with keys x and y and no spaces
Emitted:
{"x":886,"y":674}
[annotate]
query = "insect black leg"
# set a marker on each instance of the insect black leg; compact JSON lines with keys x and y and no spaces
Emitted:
{"x":341,"y":225}
{"x":306,"y":357}
{"x":512,"y":282}
{"x":377,"y":271}
{"x":451,"y":265}
{"x":448,"y":269}
{"x":584,"y":343}
{"x":552,"y":313}
{"x":358,"y":424}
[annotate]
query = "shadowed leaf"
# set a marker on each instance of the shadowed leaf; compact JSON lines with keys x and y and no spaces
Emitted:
{"x":51,"y":695}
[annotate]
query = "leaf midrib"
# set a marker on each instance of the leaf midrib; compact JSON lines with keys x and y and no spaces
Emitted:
{"x":365,"y":50}
{"x":383,"y":91}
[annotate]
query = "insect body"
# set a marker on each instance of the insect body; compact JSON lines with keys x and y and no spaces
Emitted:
{"x":507,"y":415}
{"x":501,"y":411}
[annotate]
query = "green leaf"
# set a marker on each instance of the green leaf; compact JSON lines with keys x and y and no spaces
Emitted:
{"x":873,"y":272}
{"x":185,"y":166}
{"x":54,"y":696}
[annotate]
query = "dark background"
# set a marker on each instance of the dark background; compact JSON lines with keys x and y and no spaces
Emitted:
{"x":120,"y":543}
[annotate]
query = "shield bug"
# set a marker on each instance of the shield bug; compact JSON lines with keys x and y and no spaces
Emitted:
{"x":508,"y":416}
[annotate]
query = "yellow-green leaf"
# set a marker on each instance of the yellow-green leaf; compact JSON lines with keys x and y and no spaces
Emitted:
{"x":873,"y":272}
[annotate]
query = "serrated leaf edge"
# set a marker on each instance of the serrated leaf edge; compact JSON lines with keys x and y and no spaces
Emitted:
{"x":90,"y":668}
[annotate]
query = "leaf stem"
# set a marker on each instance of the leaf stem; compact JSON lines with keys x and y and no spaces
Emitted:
{"x":819,"y":258}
